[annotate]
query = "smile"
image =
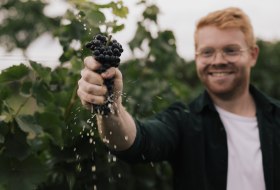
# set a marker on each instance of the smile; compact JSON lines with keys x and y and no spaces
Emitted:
{"x":220,"y":74}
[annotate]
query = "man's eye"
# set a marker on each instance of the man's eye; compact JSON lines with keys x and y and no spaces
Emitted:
{"x":231,"y":51}
{"x":207,"y":52}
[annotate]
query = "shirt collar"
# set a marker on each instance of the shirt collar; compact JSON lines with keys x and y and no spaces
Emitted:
{"x":263,"y":102}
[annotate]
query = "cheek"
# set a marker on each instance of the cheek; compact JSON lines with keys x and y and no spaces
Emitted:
{"x":199,"y":70}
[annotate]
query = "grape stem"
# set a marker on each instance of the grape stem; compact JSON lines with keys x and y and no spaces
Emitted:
{"x":109,"y":39}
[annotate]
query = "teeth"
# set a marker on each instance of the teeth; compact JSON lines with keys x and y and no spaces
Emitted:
{"x":220,"y":74}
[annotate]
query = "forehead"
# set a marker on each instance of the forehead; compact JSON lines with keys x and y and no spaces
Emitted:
{"x":211,"y":36}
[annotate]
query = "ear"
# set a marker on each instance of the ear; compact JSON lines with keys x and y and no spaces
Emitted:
{"x":254,"y":54}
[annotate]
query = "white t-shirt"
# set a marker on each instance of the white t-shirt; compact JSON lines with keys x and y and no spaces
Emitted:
{"x":245,"y":168}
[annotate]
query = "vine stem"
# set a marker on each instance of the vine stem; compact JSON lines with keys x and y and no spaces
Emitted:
{"x":109,"y":40}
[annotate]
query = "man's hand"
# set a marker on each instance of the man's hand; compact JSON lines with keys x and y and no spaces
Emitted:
{"x":91,"y":87}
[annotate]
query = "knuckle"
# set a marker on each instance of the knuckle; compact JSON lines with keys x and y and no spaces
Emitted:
{"x":87,"y":60}
{"x":78,"y":92}
{"x":90,"y":98}
{"x":86,"y":75}
{"x":82,"y":72}
{"x":89,"y":89}
{"x":80,"y":82}
{"x":119,"y":73}
{"x":100,"y":81}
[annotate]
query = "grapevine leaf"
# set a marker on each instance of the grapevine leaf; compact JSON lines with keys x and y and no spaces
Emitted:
{"x":4,"y":129}
{"x":42,"y":93}
{"x":151,"y":13}
{"x":25,"y":88}
{"x":24,"y":175}
{"x":27,"y":124}
{"x":16,"y":146}
{"x":13,"y":73}
{"x":4,"y":92}
{"x":51,"y":124}
{"x":119,"y":10}
{"x":118,"y":28}
{"x":43,"y":72}
{"x":104,"y":6}
{"x":140,"y":35}
{"x":2,"y":138}
{"x":76,"y":65}
{"x":95,"y":17}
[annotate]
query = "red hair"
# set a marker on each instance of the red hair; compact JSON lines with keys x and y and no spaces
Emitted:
{"x":228,"y":18}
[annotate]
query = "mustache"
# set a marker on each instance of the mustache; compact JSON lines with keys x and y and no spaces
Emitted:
{"x":220,"y":66}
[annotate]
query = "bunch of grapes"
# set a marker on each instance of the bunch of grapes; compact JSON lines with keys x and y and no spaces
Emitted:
{"x":107,"y":52}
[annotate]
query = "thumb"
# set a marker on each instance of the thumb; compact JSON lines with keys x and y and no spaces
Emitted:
{"x":112,"y":72}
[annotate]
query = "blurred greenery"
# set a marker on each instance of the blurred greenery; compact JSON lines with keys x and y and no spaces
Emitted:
{"x":47,"y":140}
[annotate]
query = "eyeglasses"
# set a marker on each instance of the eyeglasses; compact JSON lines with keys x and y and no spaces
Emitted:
{"x":231,"y":53}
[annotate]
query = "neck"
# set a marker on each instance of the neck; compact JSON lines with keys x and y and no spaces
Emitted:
{"x":242,"y":104}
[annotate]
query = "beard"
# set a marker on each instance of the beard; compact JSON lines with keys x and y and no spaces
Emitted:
{"x":225,"y":81}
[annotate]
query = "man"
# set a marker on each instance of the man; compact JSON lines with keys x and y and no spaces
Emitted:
{"x":227,"y":138}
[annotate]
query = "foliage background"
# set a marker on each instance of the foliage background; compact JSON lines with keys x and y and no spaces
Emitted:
{"x":47,"y":140}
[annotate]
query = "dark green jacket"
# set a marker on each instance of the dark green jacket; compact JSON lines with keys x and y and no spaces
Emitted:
{"x":193,"y":139}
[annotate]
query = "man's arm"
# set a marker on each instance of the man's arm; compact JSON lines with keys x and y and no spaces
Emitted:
{"x":117,"y":129}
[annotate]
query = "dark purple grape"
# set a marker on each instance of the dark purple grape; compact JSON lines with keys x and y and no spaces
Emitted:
{"x":88,"y":45}
{"x":96,"y":52}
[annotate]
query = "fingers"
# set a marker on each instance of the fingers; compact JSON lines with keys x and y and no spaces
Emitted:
{"x":91,"y":63}
{"x":91,"y":77}
{"x":87,"y":98}
{"x":112,"y":72}
{"x":91,"y":92}
{"x":98,"y":90}
{"x":91,"y":87}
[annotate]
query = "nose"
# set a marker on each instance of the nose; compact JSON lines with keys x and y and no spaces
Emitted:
{"x":218,"y":58}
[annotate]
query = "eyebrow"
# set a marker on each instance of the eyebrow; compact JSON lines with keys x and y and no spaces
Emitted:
{"x":221,"y":47}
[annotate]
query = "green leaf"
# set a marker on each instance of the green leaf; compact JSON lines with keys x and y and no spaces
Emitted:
{"x":16,"y":145}
{"x":151,"y":13}
{"x":139,"y":37}
{"x":2,"y":138}
{"x":62,"y":98}
{"x":95,"y":17}
{"x":118,"y":28}
{"x":42,"y":72}
{"x":28,"y":125}
{"x":13,"y":73}
{"x":4,"y":129}
{"x":4,"y":92}
{"x":42,"y":93}
{"x":52,"y":124}
{"x":25,"y":89}
{"x":119,"y":9}
{"x":24,"y":175}
{"x":77,"y":65}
